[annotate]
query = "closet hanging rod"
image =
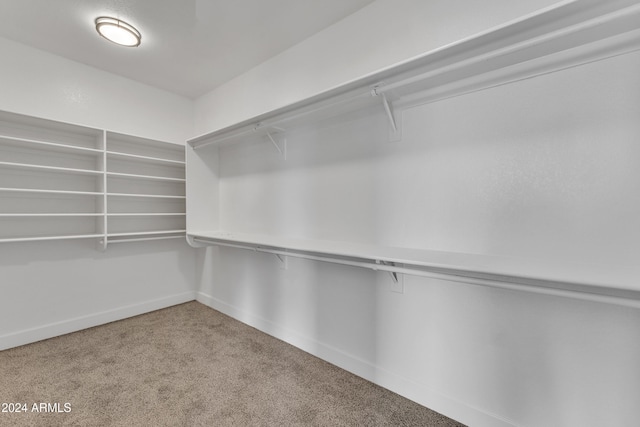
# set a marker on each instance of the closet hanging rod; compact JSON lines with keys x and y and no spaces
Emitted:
{"x":497,"y":281}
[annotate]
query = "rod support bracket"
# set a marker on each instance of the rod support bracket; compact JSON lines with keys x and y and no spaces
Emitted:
{"x":284,"y":261}
{"x":281,"y":147}
{"x":395,"y":120}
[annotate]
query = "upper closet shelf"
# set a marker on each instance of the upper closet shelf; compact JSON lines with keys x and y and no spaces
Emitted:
{"x":574,"y":32}
{"x":65,"y":148}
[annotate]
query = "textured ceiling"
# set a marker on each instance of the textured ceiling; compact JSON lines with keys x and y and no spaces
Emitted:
{"x":188,"y":46}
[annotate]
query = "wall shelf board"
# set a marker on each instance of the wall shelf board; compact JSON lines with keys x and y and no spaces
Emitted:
{"x":145,"y":158}
{"x":144,"y":239}
{"x":64,"y":148}
{"x":151,"y":196}
{"x":469,"y":268}
{"x":44,"y":191}
{"x":49,"y":215}
{"x":147,"y":177}
{"x":555,"y":38}
{"x":50,"y":168}
{"x":146,"y":233}
{"x":146,"y":214}
{"x":44,"y":238}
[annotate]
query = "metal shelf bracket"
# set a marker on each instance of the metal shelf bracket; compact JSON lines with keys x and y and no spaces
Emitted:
{"x":284,"y":261}
{"x":393,"y":274}
{"x":395,"y":120}
{"x":282,"y":147}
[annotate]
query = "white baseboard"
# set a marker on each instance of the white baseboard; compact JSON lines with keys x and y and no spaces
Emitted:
{"x":51,"y":330}
{"x":410,"y":389}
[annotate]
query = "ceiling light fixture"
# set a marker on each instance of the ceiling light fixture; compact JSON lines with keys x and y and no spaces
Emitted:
{"x":118,"y":31}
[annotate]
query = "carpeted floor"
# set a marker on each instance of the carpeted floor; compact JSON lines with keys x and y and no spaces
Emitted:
{"x":190,"y":365}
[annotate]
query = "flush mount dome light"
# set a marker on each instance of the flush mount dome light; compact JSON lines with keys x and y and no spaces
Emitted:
{"x":118,"y":31}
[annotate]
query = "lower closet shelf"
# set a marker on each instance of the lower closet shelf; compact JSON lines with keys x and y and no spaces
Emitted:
{"x":542,"y":276}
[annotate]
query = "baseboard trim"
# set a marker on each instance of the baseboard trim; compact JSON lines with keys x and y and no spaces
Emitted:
{"x":51,"y":330}
{"x":403,"y":386}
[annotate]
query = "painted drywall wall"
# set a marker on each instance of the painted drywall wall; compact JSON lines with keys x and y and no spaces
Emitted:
{"x":530,"y":177}
{"x":49,"y":288}
{"x":41,"y":84}
{"x":540,"y":168}
{"x":378,"y":36}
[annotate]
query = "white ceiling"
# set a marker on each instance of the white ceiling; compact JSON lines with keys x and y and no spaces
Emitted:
{"x":188,"y":46}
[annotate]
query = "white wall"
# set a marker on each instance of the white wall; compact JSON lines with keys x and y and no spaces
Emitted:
{"x":41,"y":84}
{"x":378,"y":36}
{"x":55,"y":287}
{"x":544,"y":168}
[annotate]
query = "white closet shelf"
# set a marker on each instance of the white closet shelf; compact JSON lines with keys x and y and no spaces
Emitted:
{"x":48,"y":215}
{"x":146,"y":158}
{"x":59,"y":237}
{"x":153,"y":196}
{"x":50,"y":168}
{"x":147,"y":177}
{"x":497,"y":271}
{"x":45,"y":191}
{"x":556,"y":38}
{"x":144,"y":214}
{"x":144,"y":239}
{"x":15,"y":141}
{"x":146,"y":233}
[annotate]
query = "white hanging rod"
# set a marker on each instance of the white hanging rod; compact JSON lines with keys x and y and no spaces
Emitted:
{"x":467,"y":277}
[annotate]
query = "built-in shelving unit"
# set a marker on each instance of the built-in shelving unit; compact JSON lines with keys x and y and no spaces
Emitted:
{"x":60,"y":181}
{"x":144,"y":178}
{"x":562,"y":37}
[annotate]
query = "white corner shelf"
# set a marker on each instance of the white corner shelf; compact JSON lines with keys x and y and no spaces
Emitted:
{"x":566,"y":35}
{"x":61,"y":181}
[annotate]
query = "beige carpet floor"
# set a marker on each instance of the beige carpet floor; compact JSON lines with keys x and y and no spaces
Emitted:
{"x":190,"y":365}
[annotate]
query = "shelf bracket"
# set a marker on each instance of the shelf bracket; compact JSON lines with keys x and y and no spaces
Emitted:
{"x":282,"y":150}
{"x":284,"y":261}
{"x":395,"y":121}
{"x":393,"y":274}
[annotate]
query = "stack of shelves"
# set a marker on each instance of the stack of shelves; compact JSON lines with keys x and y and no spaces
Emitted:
{"x":50,"y":180}
{"x":145,"y":183}
{"x":62,"y":181}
